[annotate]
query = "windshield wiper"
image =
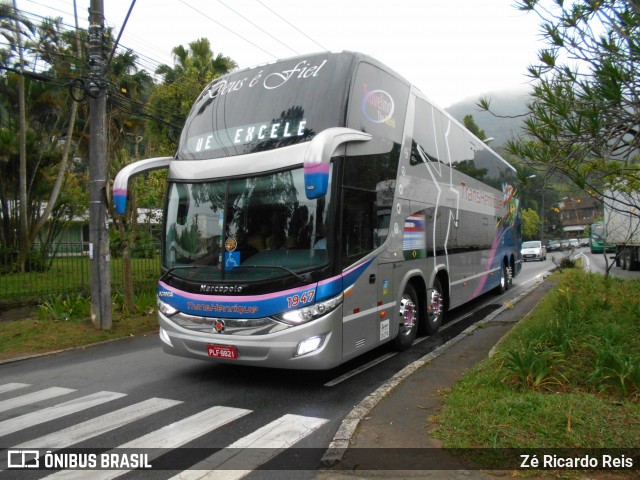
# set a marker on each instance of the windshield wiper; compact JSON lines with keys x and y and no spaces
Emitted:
{"x":177,"y":267}
{"x":299,"y":277}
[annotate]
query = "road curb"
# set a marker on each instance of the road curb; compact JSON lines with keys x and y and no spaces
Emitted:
{"x":342,"y":439}
{"x":80,"y":347}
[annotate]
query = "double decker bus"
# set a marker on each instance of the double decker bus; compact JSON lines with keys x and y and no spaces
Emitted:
{"x":320,"y":206}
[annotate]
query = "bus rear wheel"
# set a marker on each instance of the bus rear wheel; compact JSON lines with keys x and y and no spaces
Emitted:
{"x":505,"y":281}
{"x":409,"y":315}
{"x":436,"y":308}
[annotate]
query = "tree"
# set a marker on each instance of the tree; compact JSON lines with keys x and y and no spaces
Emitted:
{"x":15,"y":35}
{"x":473,"y":127}
{"x":582,"y":119}
{"x":40,"y":138}
{"x":530,"y":224}
{"x":198,"y":56}
{"x":194,"y":67}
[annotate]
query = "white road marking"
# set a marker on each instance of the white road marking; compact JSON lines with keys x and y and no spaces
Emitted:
{"x":242,"y":457}
{"x":170,"y":436}
{"x":99,"y":425}
{"x":8,"y":387}
{"x":34,"y":397}
{"x":51,"y":413}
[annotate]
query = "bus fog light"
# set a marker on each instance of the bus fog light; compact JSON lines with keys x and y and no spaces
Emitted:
{"x":308,"y":345}
{"x":164,"y":336}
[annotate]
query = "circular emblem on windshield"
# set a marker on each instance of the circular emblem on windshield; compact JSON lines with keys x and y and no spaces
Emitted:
{"x":231,"y":244}
{"x":377,"y":106}
{"x":218,"y":326}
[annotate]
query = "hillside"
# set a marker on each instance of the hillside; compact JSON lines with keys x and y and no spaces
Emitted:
{"x":506,"y":103}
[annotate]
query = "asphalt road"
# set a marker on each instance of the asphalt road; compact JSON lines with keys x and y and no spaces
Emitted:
{"x":129,"y":394}
{"x":599,"y":262}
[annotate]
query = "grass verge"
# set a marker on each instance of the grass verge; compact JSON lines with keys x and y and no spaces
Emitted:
{"x":64,"y":322}
{"x":567,"y":376}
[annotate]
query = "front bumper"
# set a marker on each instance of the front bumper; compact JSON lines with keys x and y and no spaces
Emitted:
{"x":274,"y":350}
{"x":532,"y":255}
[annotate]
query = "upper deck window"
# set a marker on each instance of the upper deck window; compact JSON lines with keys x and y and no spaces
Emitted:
{"x":267,"y":107}
{"x":378,"y":103}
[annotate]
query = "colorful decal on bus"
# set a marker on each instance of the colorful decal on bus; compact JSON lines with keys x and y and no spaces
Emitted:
{"x":258,"y":306}
{"x":414,"y":241}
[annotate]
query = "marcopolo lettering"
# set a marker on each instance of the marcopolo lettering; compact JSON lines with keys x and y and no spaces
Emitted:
{"x":204,"y":288}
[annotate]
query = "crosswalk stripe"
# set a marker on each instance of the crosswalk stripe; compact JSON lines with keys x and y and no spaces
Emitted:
{"x":46,"y":414}
{"x":34,"y":397}
{"x":235,"y":461}
{"x":8,"y":387}
{"x":99,"y":425}
{"x":170,"y":436}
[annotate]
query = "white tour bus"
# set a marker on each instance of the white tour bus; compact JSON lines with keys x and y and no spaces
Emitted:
{"x":320,"y":206}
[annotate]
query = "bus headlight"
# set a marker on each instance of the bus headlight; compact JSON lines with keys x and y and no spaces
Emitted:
{"x":306,"y":314}
{"x":166,"y":309}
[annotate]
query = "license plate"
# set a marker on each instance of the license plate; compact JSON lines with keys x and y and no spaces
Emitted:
{"x":220,"y":351}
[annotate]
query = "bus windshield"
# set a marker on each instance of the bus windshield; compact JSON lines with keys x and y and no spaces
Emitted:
{"x":245,"y":229}
{"x":597,"y":231}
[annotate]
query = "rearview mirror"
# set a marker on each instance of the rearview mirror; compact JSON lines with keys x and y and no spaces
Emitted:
{"x":318,"y":157}
{"x":121,"y":182}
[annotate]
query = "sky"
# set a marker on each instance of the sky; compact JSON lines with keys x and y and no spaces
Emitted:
{"x":450,"y":49}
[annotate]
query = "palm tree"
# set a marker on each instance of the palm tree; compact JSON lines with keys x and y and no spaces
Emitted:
{"x":199,"y":56}
{"x":21,"y":27}
{"x":194,"y":67}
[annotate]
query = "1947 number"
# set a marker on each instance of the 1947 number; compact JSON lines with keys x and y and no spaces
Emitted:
{"x":295,"y":300}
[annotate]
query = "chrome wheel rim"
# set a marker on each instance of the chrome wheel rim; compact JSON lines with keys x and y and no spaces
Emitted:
{"x":435,"y":308}
{"x":408,"y":314}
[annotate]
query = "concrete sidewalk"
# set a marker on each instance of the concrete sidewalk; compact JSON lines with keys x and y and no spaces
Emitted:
{"x":397,"y":416}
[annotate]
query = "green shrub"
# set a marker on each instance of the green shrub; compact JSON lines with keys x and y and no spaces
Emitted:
{"x":65,"y":307}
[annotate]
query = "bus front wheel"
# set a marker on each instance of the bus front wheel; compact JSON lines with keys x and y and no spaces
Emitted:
{"x":409,"y":316}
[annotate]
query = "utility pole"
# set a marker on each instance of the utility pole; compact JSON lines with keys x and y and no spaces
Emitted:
{"x":98,"y":224}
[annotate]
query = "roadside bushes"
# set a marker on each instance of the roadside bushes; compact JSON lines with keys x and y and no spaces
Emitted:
{"x":566,"y":376}
{"x":588,"y":339}
{"x":78,"y":307}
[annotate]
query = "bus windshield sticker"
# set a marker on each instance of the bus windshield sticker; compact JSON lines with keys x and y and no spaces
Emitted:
{"x":301,"y":71}
{"x":231,"y":260}
{"x":231,"y":244}
{"x":378,"y":106}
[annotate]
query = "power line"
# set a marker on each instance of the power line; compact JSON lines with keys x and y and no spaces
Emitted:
{"x":258,"y":27}
{"x":115,"y":44}
{"x":228,"y":29}
{"x":292,"y":25}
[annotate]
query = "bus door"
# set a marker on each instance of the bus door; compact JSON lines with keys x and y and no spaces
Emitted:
{"x":361,"y":329}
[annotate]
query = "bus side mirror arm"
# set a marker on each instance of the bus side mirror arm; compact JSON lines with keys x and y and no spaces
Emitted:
{"x":121,"y":182}
{"x":318,"y":156}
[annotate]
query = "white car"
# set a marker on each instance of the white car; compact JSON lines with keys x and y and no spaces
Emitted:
{"x":533,"y":250}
